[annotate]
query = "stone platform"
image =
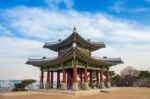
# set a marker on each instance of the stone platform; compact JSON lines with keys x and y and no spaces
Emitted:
{"x":77,"y":93}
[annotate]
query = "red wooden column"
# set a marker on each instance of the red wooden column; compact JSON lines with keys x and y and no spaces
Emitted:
{"x":52,"y":79}
{"x":91,"y":78}
{"x":81,"y":77}
{"x":41,"y":79}
{"x":81,"y":80}
{"x":97,"y":77}
{"x":86,"y":86}
{"x":68,"y":79}
{"x":102,"y":85}
{"x":58,"y":79}
{"x":101,"y":75}
{"x":64,"y":75}
{"x":107,"y":75}
{"x":64,"y":84}
{"x":108,"y":78}
{"x":75,"y":82}
{"x":48,"y":78}
{"x":85,"y":74}
{"x":75,"y":73}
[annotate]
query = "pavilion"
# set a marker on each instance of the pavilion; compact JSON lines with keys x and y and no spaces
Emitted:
{"x":76,"y":64}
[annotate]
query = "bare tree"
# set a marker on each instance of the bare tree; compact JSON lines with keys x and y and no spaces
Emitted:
{"x":131,"y":71}
{"x":129,"y":75}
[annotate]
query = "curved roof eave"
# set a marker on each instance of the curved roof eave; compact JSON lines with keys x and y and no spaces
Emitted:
{"x":106,"y":62}
{"x":70,"y":39}
{"x":50,"y":61}
{"x":69,"y":54}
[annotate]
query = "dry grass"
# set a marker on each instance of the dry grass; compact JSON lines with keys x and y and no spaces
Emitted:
{"x":118,"y":93}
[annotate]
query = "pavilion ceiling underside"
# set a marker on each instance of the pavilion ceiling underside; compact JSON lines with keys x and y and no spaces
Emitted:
{"x":69,"y":56}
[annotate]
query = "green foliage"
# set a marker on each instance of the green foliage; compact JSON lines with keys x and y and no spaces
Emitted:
{"x":116,"y":80}
{"x":92,"y":85}
{"x":144,"y":75}
{"x":144,"y":79}
{"x":128,"y":80}
{"x":112,"y":73}
{"x":142,"y":83}
{"x":27,"y":82}
{"x":19,"y":87}
{"x":24,"y":83}
{"x":128,"y":76}
{"x":131,"y":77}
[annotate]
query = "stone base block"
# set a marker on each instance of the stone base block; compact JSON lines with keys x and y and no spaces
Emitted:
{"x":48,"y":85}
{"x":97,"y":84}
{"x":41,"y":85}
{"x":86,"y":86}
{"x":102,"y":85}
{"x":64,"y":86}
{"x":81,"y":85}
{"x":51,"y":86}
{"x":75,"y":86}
{"x":108,"y":84}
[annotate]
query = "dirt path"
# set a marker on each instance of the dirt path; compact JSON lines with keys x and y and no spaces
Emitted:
{"x":119,"y":93}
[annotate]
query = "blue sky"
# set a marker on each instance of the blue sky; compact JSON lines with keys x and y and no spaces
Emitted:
{"x":124,"y":9}
{"x":124,"y":26}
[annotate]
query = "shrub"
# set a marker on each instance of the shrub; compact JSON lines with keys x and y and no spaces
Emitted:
{"x":142,"y":83}
{"x":21,"y":86}
{"x":92,"y":85}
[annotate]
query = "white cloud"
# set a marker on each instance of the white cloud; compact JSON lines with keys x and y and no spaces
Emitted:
{"x":136,"y":56}
{"x":4,"y":31}
{"x":14,"y":52}
{"x":122,"y":6}
{"x":42,"y":23}
{"x":19,"y":48}
{"x":124,"y":38}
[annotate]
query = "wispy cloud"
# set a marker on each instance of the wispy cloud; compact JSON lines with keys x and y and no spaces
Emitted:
{"x":141,"y":9}
{"x":121,"y":6}
{"x":55,"y":4}
{"x":147,"y":0}
{"x":118,"y":6}
{"x":48,"y":24}
{"x":4,"y":31}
